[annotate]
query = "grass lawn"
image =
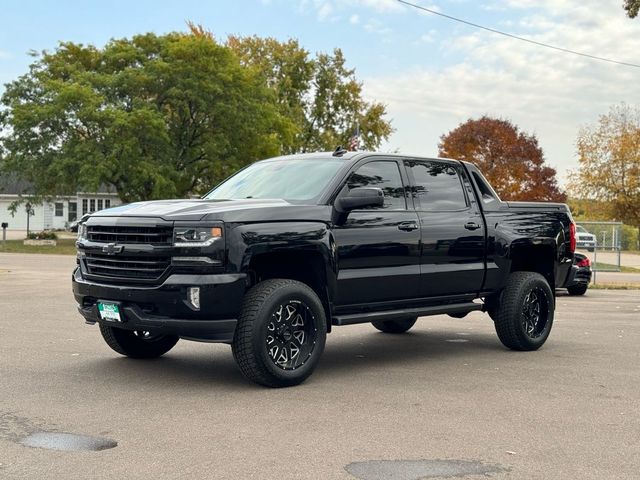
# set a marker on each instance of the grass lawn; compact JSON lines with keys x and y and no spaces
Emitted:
{"x":65,"y":246}
{"x":614,"y":286}
{"x":611,"y":267}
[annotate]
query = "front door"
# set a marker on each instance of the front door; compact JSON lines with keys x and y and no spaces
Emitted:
{"x":378,"y":248}
{"x":453,"y":233}
{"x":73,"y":212}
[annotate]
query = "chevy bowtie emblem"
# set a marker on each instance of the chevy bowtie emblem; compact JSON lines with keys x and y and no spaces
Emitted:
{"x":112,"y":249}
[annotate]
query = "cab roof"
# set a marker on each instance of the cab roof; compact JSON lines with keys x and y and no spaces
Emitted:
{"x":353,"y":157}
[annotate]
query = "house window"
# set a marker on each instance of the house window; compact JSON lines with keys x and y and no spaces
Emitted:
{"x":85,"y":206}
{"x":100,"y":204}
{"x":92,"y":205}
{"x":59,"y":209}
{"x":107,"y":203}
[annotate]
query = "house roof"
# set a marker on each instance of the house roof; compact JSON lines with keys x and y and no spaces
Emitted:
{"x":11,"y":185}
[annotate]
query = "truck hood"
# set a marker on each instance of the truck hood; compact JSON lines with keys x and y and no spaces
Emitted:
{"x":245,"y":210}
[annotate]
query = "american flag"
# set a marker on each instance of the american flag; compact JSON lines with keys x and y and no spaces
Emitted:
{"x":354,"y":141}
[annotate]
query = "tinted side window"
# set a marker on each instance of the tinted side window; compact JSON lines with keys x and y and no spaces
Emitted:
{"x":384,"y":175}
{"x":438,"y":186}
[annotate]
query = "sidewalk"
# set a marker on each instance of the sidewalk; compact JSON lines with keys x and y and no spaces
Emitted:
{"x":617,"y":278}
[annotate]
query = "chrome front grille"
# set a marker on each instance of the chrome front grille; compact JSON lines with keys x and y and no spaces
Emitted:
{"x":151,"y":235}
{"x":125,"y":267}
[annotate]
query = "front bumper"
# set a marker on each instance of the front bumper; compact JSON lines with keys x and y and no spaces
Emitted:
{"x":164,"y":309}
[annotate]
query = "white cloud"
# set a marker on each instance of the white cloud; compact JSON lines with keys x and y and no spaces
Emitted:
{"x":354,"y":19}
{"x":376,"y":5}
{"x":543,"y":91}
{"x":324,"y":8}
{"x":324,"y":11}
{"x":428,"y":37}
{"x":377,"y":26}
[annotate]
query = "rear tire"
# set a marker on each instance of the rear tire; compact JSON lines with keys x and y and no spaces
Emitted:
{"x":579,"y":289}
{"x":524,"y":314}
{"x":395,"y":326}
{"x":137,"y":344}
{"x":280,"y":334}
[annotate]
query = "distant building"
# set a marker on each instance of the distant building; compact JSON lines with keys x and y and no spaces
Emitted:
{"x":55,"y":214}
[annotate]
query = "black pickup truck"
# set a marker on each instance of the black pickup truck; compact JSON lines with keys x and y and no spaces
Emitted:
{"x":275,"y":256}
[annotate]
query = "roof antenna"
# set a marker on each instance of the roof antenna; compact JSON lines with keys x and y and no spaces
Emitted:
{"x":339,"y":151}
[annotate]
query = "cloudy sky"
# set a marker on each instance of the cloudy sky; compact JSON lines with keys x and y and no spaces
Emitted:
{"x":431,"y":72}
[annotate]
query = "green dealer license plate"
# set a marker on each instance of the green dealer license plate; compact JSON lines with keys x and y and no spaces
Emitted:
{"x":109,"y":311}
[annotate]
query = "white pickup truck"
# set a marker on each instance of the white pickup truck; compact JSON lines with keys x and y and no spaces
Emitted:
{"x":585,"y":239}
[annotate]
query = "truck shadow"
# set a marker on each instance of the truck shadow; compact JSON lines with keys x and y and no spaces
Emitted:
{"x":343,"y":357}
{"x":415,"y":350}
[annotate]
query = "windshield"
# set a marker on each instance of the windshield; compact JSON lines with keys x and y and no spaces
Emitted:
{"x":295,"y":181}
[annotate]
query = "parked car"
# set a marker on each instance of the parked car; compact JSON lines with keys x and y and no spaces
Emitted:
{"x":585,"y":239}
{"x":286,"y":249}
{"x":579,"y":276}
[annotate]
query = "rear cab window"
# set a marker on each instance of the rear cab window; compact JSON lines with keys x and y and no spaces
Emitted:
{"x":437,"y":186}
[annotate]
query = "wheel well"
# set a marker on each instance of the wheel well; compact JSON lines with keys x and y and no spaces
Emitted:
{"x":536,"y":258}
{"x":307,"y":267}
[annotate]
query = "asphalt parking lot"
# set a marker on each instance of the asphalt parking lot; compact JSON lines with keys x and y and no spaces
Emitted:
{"x":447,"y":398}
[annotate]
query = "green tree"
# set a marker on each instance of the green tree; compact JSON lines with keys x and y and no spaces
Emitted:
{"x":153,"y":116}
{"x":632,"y":7}
{"x":609,"y":163}
{"x":320,"y":95}
{"x":512,"y":160}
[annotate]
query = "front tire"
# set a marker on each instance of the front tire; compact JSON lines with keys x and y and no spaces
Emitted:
{"x":137,"y":344}
{"x":395,"y":326}
{"x":524,"y":314}
{"x":280,"y":334}
{"x":579,"y":289}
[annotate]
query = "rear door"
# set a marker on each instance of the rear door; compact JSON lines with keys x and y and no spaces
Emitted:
{"x":452,"y":258}
{"x":379,"y":248}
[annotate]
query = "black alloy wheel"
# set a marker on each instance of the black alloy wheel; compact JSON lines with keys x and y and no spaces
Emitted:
{"x":291,"y":335}
{"x":535,"y":313}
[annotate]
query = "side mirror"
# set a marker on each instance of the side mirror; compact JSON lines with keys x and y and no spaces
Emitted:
{"x":361,"y":197}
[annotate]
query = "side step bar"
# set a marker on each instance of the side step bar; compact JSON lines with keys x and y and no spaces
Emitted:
{"x":369,"y":317}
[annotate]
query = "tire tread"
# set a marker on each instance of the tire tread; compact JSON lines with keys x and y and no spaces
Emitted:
{"x":125,"y":343}
{"x":242,"y":346}
{"x":509,"y":308}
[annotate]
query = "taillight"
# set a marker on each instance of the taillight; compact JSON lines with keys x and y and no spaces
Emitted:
{"x":572,"y":237}
{"x":585,"y":262}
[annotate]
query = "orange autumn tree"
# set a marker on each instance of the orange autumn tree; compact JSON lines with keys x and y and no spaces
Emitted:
{"x":512,"y":160}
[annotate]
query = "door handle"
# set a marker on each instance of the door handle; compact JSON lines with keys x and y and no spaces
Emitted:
{"x":407,"y":226}
{"x":471,"y":226}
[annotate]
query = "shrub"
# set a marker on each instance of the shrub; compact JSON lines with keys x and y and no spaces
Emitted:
{"x":44,"y":235}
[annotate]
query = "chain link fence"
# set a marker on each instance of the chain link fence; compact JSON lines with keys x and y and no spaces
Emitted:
{"x":603,"y":243}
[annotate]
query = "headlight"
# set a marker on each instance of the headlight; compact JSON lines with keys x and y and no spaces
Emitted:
{"x":196,"y":236}
{"x":82,"y":231}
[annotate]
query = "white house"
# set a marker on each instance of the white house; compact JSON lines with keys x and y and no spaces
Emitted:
{"x":56,"y":214}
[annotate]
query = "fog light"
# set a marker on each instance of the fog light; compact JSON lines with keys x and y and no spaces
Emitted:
{"x":194,"y":297}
